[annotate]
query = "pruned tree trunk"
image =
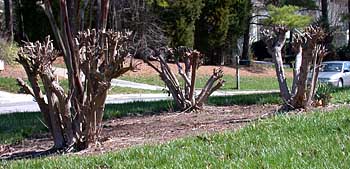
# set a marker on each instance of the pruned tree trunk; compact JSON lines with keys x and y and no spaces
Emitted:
{"x":318,"y":55}
{"x":296,"y":69}
{"x":275,"y":41}
{"x":75,"y":118}
{"x":282,"y":80}
{"x":300,"y":96}
{"x":310,"y":53}
{"x":185,"y":97}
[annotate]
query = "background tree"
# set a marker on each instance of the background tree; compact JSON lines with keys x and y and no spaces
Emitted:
{"x":212,"y":28}
{"x":29,"y":20}
{"x":179,"y":19}
{"x":246,"y":35}
{"x":142,"y":17}
{"x":219,"y":27}
{"x":8,"y":9}
{"x":324,"y":15}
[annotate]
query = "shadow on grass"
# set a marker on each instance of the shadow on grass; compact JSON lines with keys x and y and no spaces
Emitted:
{"x":138,"y":109}
{"x":30,"y":155}
{"x":250,"y":99}
{"x":17,"y":126}
{"x":340,"y":89}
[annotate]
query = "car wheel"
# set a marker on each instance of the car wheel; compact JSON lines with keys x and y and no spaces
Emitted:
{"x":340,"y":83}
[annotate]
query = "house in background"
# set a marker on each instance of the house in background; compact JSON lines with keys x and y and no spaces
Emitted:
{"x":336,"y":10}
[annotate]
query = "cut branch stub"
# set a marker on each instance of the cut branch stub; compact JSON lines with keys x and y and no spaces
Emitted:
{"x":104,"y":52}
{"x":312,"y":53}
{"x":213,"y":84}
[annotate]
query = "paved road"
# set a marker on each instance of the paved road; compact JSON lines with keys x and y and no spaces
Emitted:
{"x":10,"y":102}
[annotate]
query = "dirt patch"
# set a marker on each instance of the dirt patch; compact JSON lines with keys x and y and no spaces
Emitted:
{"x":125,"y":132}
{"x":13,"y":71}
{"x":245,"y":71}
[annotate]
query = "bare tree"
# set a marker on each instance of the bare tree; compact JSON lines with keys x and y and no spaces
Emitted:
{"x":73,"y":119}
{"x":138,"y":16}
{"x":184,"y":97}
{"x":310,"y":52}
{"x":148,"y":37}
{"x":93,"y":58}
{"x":313,"y":51}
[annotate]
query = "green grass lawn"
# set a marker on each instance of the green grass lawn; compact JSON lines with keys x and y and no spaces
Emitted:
{"x":10,"y":85}
{"x":129,"y":90}
{"x":313,"y":140}
{"x":17,"y":126}
{"x":341,"y":95}
{"x":246,"y":83}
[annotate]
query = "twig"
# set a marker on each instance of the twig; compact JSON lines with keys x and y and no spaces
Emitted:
{"x":248,"y":120}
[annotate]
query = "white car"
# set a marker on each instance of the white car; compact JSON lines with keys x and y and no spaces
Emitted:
{"x":336,"y":73}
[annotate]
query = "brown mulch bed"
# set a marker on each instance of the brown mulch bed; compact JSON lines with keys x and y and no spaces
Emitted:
{"x":125,"y":132}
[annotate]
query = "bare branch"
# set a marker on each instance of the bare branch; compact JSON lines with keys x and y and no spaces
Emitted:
{"x":25,"y":87}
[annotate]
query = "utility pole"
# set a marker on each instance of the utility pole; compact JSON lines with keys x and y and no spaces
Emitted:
{"x":237,"y":73}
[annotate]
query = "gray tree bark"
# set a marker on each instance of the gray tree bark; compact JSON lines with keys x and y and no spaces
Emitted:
{"x":275,"y":41}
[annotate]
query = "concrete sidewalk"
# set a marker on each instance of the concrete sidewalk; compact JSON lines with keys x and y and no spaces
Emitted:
{"x":10,"y":103}
{"x":61,"y":72}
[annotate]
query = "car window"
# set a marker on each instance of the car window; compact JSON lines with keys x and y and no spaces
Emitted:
{"x":332,"y":67}
{"x":347,"y":66}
